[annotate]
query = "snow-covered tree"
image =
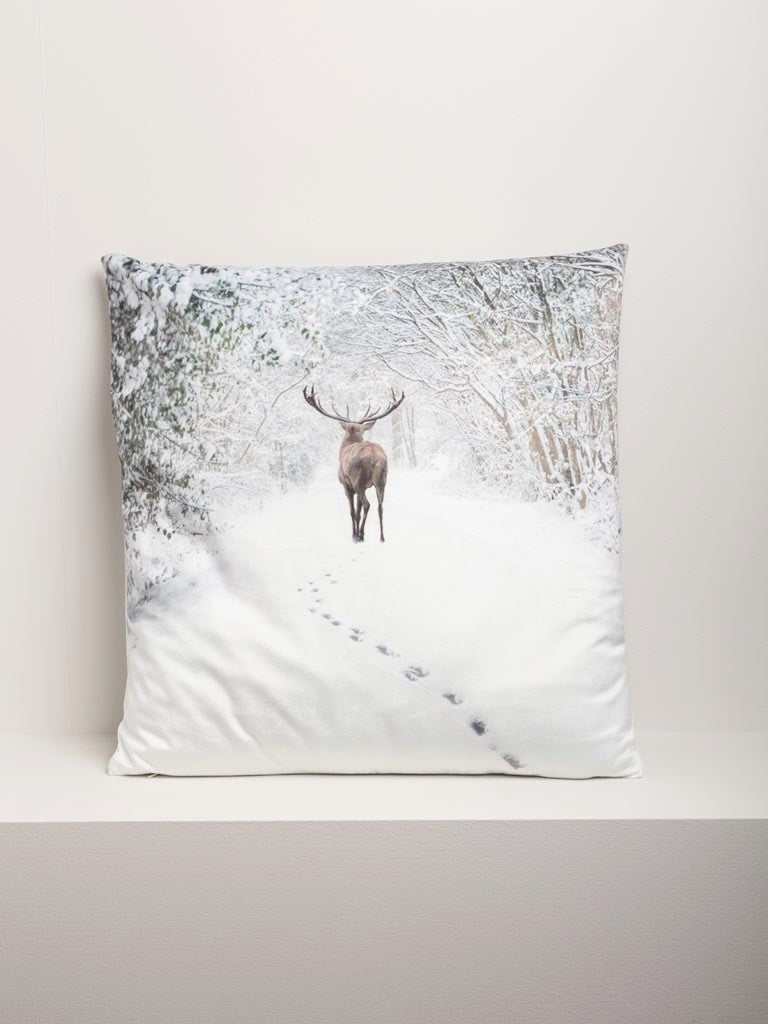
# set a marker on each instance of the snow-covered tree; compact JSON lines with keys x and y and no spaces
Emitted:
{"x":509,"y":369}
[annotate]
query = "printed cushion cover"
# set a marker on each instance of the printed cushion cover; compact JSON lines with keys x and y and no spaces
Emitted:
{"x":371,"y":518}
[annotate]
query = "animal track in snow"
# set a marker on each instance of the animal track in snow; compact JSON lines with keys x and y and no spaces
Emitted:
{"x":513,"y":761}
{"x":413,"y":673}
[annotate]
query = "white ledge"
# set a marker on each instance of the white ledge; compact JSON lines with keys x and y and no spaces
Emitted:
{"x":62,"y":778}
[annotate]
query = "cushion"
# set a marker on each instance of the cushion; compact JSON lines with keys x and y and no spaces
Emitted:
{"x":371,"y":518}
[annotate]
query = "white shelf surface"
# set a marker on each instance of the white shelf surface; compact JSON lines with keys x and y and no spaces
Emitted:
{"x":62,"y":778}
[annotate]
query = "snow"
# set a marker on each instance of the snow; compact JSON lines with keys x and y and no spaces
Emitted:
{"x":483,"y":636}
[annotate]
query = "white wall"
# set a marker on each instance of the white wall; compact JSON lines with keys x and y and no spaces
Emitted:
{"x":300,"y":132}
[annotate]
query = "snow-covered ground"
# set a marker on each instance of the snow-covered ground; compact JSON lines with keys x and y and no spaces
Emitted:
{"x":481,"y":637}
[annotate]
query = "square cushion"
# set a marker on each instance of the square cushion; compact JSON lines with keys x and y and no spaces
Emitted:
{"x":371,"y":517}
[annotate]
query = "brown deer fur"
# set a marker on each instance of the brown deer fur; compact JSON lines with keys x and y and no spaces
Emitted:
{"x":362,"y":464}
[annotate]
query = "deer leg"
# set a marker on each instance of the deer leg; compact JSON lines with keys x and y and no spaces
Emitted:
{"x":351,"y":498}
{"x":380,"y":496}
{"x":357,"y":517}
{"x":358,"y":511}
{"x":366,"y":506}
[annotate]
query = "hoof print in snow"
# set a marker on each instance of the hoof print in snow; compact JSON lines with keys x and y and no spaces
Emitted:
{"x":313,"y":610}
{"x":356,"y":631}
{"x":452,"y":698}
{"x":479,"y":726}
{"x":335,"y":622}
{"x":512,"y":761}
{"x":354,"y":636}
{"x":326,"y":615}
{"x":414,"y":672}
{"x":383,"y":649}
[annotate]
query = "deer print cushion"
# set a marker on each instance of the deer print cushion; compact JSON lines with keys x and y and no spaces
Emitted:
{"x":371,"y":518}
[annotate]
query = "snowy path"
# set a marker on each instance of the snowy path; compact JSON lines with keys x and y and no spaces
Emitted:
{"x":465,"y":642}
{"x":321,"y":601}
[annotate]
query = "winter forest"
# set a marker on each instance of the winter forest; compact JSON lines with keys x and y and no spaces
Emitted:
{"x":509,"y":370}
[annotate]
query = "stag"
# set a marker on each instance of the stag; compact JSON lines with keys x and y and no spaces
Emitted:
{"x":362,"y":464}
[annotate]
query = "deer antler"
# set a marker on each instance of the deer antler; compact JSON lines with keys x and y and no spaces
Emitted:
{"x":369,"y":416}
{"x":311,"y":399}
